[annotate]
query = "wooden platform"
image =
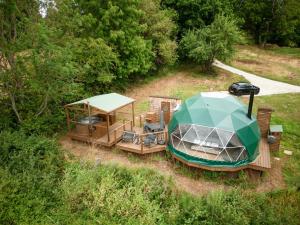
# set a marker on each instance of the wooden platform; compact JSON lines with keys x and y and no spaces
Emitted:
{"x":140,"y":148}
{"x":262,"y":162}
{"x":116,"y":131}
{"x":130,"y":147}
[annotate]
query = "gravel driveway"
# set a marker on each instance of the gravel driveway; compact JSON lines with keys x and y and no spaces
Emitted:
{"x":267,"y":86}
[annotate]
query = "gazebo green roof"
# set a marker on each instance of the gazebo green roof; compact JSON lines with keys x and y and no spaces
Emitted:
{"x":106,"y":102}
{"x":224,"y":112}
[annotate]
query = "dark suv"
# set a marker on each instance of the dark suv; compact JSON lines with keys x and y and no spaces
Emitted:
{"x":243,"y":88}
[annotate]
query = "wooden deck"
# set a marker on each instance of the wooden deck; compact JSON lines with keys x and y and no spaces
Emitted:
{"x":262,"y":162}
{"x":141,"y":148}
{"x":136,"y":148}
{"x":115,"y":133}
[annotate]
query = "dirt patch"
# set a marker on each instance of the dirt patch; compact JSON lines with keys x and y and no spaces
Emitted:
{"x":196,"y":186}
{"x":248,"y":61}
{"x":273,"y":179}
{"x":164,"y":167}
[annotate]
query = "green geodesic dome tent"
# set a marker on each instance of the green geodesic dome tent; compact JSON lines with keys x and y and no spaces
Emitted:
{"x":212,"y":129}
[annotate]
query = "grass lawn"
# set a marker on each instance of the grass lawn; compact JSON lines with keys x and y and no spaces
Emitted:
{"x":282,"y":64}
{"x":183,"y":81}
{"x":286,"y":112}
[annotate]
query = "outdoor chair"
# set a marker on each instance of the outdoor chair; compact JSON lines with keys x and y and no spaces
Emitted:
{"x":149,"y":140}
{"x":129,"y":136}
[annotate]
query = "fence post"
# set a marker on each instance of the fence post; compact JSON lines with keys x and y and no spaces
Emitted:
{"x":140,"y":120}
{"x":115,"y":135}
{"x":142,"y":145}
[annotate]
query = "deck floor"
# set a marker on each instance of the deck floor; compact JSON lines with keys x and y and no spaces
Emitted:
{"x":137,"y":148}
{"x":263,"y":160}
{"x":102,"y":140}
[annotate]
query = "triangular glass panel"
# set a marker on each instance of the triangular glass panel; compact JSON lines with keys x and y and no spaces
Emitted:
{"x":213,"y":140}
{"x":202,"y":131}
{"x":191,"y":136}
{"x":175,"y":141}
{"x":176,"y":132}
{"x":223,"y":156}
{"x":234,"y":142}
{"x":181,"y":147}
{"x":224,"y":136}
{"x":235,"y":152}
{"x":183,"y":128}
{"x":243,"y":155}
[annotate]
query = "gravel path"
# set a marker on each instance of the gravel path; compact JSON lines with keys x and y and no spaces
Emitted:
{"x":267,"y":86}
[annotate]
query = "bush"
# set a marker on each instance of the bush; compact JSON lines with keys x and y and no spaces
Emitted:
{"x":30,"y":171}
{"x":112,"y":195}
{"x":217,"y":40}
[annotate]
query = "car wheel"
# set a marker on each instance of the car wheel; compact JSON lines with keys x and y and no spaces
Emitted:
{"x":239,"y":93}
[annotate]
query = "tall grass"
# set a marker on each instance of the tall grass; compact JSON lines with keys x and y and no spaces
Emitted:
{"x":37,"y":187}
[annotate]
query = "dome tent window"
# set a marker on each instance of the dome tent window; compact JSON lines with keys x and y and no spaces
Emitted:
{"x":208,"y":143}
{"x":212,"y":129}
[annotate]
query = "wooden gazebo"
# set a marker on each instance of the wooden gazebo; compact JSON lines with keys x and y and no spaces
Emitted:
{"x":95,"y":120}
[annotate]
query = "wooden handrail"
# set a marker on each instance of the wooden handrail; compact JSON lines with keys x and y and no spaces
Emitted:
{"x":142,"y":144}
{"x":121,"y":126}
{"x":158,"y":132}
{"x":119,"y":112}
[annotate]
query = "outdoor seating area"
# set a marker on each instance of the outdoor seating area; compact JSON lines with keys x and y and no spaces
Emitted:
{"x":151,"y":134}
{"x":95,"y":120}
{"x":198,"y":133}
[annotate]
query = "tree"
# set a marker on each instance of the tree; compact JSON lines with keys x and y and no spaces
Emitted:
{"x":196,"y":14}
{"x":136,"y":37}
{"x":213,"y":41}
{"x":161,"y":30}
{"x":273,"y":21}
{"x":34,"y":68}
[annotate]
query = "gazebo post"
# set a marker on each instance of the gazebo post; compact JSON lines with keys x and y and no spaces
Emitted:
{"x":89,"y":111}
{"x":133,"y":117}
{"x":107,"y":127}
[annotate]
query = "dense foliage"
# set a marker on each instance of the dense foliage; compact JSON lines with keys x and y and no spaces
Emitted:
{"x":31,"y":169}
{"x":37,"y":187}
{"x":214,"y":41}
{"x":271,"y":21}
{"x":196,"y":14}
{"x":266,"y":21}
{"x":78,"y":48}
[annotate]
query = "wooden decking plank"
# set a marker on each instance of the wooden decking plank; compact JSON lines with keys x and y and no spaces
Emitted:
{"x":263,"y":161}
{"x":131,"y":147}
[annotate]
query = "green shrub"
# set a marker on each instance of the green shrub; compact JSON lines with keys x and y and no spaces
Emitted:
{"x":112,"y":195}
{"x":217,"y":40}
{"x":30,"y":171}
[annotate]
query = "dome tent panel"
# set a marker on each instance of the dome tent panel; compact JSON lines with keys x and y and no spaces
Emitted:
{"x":225,"y":136}
{"x":213,"y":139}
{"x":202,"y":131}
{"x":250,"y":139}
{"x":219,"y":131}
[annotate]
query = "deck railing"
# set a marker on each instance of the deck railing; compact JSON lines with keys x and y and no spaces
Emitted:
{"x":158,"y":134}
{"x":119,"y":130}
